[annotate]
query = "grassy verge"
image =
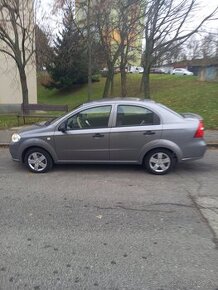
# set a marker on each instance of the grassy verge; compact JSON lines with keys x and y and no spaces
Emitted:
{"x":183,"y":94}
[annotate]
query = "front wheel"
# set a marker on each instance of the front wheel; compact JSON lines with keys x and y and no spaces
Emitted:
{"x":38,"y":160}
{"x":159,"y":161}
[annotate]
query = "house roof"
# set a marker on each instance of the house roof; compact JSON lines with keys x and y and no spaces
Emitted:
{"x":196,"y":62}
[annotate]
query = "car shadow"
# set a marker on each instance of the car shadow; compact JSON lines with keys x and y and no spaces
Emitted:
{"x":199,"y":166}
{"x":98,"y":167}
{"x":194,"y":166}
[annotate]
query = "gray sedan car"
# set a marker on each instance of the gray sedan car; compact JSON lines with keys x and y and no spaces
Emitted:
{"x":116,"y":131}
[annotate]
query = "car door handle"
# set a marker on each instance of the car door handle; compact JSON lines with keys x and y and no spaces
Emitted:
{"x":98,"y":135}
{"x":149,"y":133}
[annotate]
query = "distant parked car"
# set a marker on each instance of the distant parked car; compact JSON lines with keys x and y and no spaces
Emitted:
{"x":157,"y":71}
{"x":114,"y":131}
{"x":136,"y":69}
{"x":182,"y":72}
{"x":104,"y":72}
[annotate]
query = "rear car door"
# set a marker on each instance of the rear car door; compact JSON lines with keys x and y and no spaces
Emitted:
{"x":87,"y":136}
{"x":135,"y":126}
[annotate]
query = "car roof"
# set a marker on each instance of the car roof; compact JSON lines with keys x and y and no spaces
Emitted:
{"x":117,"y":100}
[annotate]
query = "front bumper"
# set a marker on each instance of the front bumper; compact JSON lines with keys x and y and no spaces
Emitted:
{"x":13,"y":148}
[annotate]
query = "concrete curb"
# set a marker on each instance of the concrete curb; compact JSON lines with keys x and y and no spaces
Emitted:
{"x":212,"y":145}
{"x":4,"y":145}
{"x":209,"y":145}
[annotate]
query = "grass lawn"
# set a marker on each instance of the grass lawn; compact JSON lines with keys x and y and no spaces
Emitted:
{"x":183,"y":94}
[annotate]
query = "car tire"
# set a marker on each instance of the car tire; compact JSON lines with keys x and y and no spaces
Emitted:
{"x":159,"y":161}
{"x":38,"y":160}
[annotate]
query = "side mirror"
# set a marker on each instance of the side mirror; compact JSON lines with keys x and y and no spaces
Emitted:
{"x":63,"y":127}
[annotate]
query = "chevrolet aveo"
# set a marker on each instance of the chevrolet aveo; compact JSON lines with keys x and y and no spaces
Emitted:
{"x":115,"y":131}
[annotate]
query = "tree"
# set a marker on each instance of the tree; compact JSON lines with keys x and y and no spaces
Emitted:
{"x":44,"y":50}
{"x":106,"y":21}
{"x":130,"y":33}
{"x":69,"y":64}
{"x":17,"y":36}
{"x":209,"y":45}
{"x":113,"y":27}
{"x":193,"y":48}
{"x":165,"y":28}
{"x":119,"y":30}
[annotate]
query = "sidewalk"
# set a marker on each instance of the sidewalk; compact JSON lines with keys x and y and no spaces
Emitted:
{"x":211,"y":137}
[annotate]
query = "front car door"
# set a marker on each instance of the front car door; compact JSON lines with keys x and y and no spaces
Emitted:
{"x":135,"y":126}
{"x":86,"y":137}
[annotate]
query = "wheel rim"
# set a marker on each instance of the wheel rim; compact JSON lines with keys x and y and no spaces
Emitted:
{"x":160,"y":162}
{"x":37,"y":161}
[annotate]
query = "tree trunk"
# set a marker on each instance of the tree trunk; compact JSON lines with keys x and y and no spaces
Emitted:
{"x":89,"y":44}
{"x":146,"y":81}
{"x":109,"y":82}
{"x":123,"y":62}
{"x":142,"y":82}
{"x":106,"y":87}
{"x":123,"y":82}
{"x":24,"y":87}
{"x":112,"y":84}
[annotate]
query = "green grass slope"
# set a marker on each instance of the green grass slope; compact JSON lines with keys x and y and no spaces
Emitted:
{"x":181,"y":93}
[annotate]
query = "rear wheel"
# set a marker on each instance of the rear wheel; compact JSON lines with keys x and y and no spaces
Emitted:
{"x":159,"y":161}
{"x":38,"y":160}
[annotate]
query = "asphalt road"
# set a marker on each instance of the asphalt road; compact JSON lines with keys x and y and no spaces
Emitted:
{"x":109,"y":227}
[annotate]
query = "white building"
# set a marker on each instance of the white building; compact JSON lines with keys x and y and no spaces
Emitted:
{"x":10,"y":87}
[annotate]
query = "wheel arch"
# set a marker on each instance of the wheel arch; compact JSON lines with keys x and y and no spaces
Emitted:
{"x":36,"y":143}
{"x":34,"y":147}
{"x":162,"y":144}
{"x":153,"y":149}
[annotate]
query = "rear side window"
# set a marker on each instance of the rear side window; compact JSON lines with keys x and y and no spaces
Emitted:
{"x":135,"y":116}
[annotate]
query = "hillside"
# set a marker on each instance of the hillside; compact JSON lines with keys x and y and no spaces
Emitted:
{"x":183,"y":94}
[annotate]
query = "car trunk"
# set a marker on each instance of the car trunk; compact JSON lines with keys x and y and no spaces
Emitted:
{"x":191,"y":116}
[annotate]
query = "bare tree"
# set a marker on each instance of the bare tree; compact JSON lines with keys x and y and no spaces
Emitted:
{"x":44,"y":50}
{"x":105,"y":15}
{"x":17,"y":36}
{"x":209,"y":45}
{"x":193,"y":48}
{"x":165,"y":28}
{"x":130,"y":32}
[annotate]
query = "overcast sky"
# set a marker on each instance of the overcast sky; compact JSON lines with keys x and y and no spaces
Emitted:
{"x":206,"y":7}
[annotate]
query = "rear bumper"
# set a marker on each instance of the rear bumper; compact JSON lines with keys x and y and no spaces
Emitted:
{"x":195,"y":151}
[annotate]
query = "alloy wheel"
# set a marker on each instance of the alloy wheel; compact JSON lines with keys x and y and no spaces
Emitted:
{"x":37,"y":161}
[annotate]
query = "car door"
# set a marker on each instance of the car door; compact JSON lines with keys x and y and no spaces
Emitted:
{"x":135,"y":126}
{"x":86,"y":137}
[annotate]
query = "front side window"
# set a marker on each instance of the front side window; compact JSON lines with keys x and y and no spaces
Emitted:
{"x":97,"y":117}
{"x":135,"y":116}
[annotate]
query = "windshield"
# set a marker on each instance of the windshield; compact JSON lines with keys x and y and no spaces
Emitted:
{"x":51,"y":121}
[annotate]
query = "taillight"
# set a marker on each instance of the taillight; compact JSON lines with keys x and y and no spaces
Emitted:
{"x":200,"y":131}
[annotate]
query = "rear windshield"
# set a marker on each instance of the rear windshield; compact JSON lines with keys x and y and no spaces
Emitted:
{"x":171,"y":111}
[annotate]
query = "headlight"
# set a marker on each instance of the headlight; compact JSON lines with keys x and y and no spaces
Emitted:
{"x":15,"y":137}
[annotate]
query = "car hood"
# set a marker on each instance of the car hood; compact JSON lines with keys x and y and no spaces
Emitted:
{"x":38,"y":127}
